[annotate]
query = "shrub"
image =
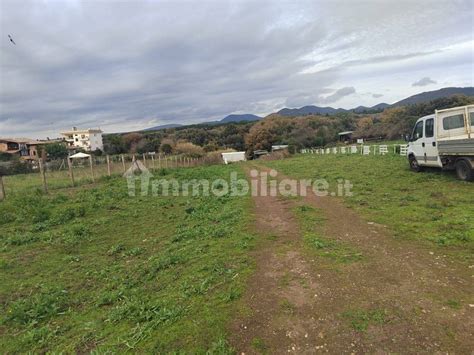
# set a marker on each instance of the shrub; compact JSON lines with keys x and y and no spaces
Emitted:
{"x":189,"y":149}
{"x":15,"y":167}
{"x":6,"y":156}
{"x":281,"y":154}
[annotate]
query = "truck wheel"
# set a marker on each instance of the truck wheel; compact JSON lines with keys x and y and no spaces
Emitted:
{"x":414,"y":164}
{"x":464,"y":170}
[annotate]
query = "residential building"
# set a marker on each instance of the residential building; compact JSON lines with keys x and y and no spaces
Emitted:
{"x":87,"y":139}
{"x":25,"y":148}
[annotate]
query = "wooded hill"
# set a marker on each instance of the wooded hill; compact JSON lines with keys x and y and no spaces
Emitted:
{"x":297,"y":131}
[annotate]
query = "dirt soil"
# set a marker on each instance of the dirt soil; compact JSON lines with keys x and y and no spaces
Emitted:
{"x":400,"y":297}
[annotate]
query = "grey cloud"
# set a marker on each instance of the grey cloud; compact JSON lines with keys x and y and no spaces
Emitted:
{"x":123,"y":65}
{"x":376,"y":96}
{"x":337,"y":95}
{"x":423,"y":82}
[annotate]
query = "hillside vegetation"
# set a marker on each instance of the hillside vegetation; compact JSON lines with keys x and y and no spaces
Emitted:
{"x":297,"y":131}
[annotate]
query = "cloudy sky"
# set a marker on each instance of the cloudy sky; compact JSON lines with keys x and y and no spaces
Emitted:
{"x":128,"y":65}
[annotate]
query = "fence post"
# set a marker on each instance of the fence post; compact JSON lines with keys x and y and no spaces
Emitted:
{"x":123,"y":164}
{"x":2,"y":189}
{"x":159,"y":160}
{"x":153,"y":162}
{"x":43,"y":175}
{"x":144,"y":160}
{"x":71,"y":174}
{"x":92,"y":168}
{"x":108,"y":164}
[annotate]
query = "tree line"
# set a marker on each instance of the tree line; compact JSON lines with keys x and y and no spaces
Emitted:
{"x":297,"y":131}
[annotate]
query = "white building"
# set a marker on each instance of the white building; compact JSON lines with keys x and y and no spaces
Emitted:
{"x":231,"y":157}
{"x":87,"y":139}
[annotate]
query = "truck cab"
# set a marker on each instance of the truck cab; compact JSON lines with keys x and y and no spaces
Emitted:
{"x":444,"y":140}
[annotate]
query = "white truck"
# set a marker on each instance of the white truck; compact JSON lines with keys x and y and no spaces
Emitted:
{"x":444,"y":140}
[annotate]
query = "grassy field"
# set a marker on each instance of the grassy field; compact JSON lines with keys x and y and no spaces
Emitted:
{"x":431,"y":206}
{"x":59,"y":178}
{"x":56,"y":179}
{"x":92,"y":268}
{"x":317,"y":244}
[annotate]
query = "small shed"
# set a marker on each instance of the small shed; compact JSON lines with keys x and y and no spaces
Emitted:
{"x":276,"y":148}
{"x":231,"y":157}
{"x":345,"y":136}
{"x":258,"y":153}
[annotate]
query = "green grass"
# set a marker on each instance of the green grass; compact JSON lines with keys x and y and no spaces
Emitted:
{"x":259,"y":345}
{"x":360,"y":319}
{"x":431,"y":206}
{"x":312,"y":224}
{"x":287,"y":307}
{"x":91,"y":268}
{"x":454,"y":304}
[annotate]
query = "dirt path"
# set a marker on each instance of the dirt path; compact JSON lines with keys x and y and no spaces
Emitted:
{"x":399,"y":298}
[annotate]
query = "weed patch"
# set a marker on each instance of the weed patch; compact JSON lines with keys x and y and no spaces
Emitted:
{"x":312,"y":224}
{"x":361,"y":319}
{"x":150,"y":274}
{"x":37,"y":308}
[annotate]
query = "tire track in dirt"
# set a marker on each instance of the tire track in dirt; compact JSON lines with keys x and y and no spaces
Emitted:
{"x":297,"y":300}
{"x":402,"y":277}
{"x":281,"y":293}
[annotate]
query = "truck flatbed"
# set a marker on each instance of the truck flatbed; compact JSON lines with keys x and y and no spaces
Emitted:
{"x":456,"y":147}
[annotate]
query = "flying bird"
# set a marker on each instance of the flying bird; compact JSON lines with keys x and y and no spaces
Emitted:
{"x":11,"y":40}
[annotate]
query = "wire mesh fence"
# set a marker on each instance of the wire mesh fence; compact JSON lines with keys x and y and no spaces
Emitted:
{"x":59,"y":173}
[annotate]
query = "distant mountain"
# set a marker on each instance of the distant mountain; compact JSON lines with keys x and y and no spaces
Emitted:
{"x":432,"y":95}
{"x":415,"y":99}
{"x":365,"y":109}
{"x":381,"y":106}
{"x":164,"y":126}
{"x":227,"y":119}
{"x":308,"y":110}
{"x":316,"y":110}
{"x":240,"y":118}
{"x":234,"y":118}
